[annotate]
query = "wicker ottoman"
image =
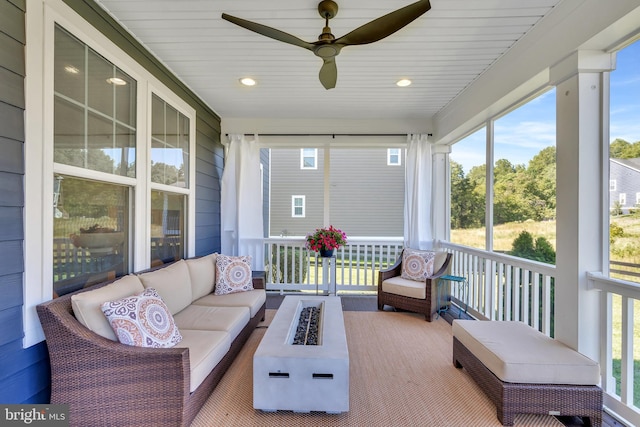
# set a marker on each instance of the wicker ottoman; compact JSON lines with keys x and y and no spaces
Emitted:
{"x":523,"y":371}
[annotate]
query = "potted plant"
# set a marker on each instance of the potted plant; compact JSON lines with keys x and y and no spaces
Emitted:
{"x":326,"y":240}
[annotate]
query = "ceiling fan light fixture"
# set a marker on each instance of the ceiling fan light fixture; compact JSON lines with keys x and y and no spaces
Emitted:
{"x":247,"y":81}
{"x":403,"y":82}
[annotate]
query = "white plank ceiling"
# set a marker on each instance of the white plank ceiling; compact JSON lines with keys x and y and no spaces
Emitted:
{"x":442,"y":52}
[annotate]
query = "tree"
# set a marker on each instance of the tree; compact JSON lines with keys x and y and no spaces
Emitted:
{"x":541,"y":250}
{"x":509,"y":204}
{"x":621,"y":149}
{"x":540,"y":184}
{"x":467,"y":207}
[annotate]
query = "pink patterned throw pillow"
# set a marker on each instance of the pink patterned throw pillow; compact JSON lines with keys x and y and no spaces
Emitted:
{"x":233,"y":274}
{"x":142,"y":320}
{"x":417,"y":265}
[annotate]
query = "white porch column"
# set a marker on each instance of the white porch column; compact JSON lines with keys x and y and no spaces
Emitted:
{"x":440,"y":207}
{"x":581,"y":117}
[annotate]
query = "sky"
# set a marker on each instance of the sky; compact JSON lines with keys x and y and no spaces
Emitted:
{"x":522,"y":133}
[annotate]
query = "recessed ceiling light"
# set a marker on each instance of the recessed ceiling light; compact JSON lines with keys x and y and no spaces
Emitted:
{"x":248,"y":81}
{"x":403,"y":82}
{"x":116,"y":81}
{"x":71,"y":69}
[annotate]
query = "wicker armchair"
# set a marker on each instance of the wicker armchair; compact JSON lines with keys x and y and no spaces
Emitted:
{"x":392,"y":296}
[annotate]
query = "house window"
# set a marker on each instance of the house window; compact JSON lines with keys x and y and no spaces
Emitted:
{"x":393,"y":157}
{"x":612,"y":185}
{"x":622,"y":197}
{"x":100,"y":184}
{"x":169,"y":144}
{"x":309,"y":158}
{"x":94,"y":110}
{"x":94,"y":136}
{"x":297,"y":206}
{"x":638,"y":199}
{"x":91,"y":232}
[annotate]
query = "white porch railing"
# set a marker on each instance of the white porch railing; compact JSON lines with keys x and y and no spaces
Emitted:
{"x":503,"y":287}
{"x":291,"y":267}
{"x":619,"y":370}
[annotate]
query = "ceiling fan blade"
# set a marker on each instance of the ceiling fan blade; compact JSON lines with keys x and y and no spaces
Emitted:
{"x":329,"y":73}
{"x":268,"y":31}
{"x":385,"y":25}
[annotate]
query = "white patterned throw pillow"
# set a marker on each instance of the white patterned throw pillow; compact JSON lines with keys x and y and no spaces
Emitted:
{"x":142,"y":320}
{"x":417,"y":265}
{"x":233,"y":274}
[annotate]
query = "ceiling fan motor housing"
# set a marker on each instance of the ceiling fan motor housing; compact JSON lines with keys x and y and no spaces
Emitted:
{"x":328,"y":9}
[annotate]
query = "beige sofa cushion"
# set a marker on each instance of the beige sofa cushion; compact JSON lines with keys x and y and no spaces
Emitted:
{"x":407,"y":288}
{"x":517,"y":353}
{"x":87,"y":305}
{"x":202,"y":272}
{"x":202,"y":317}
{"x":173,"y":284}
{"x":253,"y":299}
{"x":206,"y":350}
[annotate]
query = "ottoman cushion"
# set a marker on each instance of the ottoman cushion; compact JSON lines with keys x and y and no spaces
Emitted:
{"x":518,"y":353}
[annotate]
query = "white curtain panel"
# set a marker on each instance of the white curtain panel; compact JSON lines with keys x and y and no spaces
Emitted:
{"x":241,"y":200}
{"x":417,"y":199}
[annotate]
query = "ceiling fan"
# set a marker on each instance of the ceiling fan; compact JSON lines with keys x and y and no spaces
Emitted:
{"x":328,"y":47}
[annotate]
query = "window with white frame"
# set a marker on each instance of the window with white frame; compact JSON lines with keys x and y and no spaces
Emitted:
{"x":297,"y":206}
{"x":393,"y":157}
{"x":612,"y":185}
{"x":95,"y":159}
{"x":309,"y":158}
{"x":94,"y":143}
{"x":622,"y":198}
{"x":638,"y":199}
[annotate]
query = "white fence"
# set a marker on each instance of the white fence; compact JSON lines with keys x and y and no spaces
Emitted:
{"x":291,"y":267}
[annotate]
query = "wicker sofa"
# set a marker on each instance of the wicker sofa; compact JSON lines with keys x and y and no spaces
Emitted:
{"x":108,"y":383}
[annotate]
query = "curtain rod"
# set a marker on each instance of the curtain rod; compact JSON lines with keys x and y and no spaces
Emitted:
{"x":333,"y":135}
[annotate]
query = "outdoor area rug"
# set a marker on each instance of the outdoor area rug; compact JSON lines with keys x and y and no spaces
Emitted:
{"x":401,"y":374}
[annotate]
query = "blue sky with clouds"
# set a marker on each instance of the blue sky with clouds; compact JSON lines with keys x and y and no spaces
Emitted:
{"x":521,"y":134}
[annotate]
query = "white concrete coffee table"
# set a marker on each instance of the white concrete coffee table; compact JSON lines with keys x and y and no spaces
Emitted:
{"x":303,"y":378}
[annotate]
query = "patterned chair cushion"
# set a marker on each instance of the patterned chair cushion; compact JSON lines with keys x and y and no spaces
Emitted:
{"x":417,"y":265}
{"x":142,"y":320}
{"x":233,"y":274}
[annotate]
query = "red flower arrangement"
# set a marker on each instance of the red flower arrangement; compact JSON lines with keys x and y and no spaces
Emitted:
{"x":326,"y":239}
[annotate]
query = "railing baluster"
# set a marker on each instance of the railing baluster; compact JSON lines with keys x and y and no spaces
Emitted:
{"x":535,"y":302}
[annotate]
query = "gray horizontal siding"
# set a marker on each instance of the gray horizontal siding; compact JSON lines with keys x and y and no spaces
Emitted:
{"x":11,"y":54}
{"x":12,"y":158}
{"x":11,"y":88}
{"x":367,"y":196}
{"x":287,"y":180}
{"x":24,"y":377}
{"x":12,"y":21}
{"x":208,"y":174}
{"x":12,"y":120}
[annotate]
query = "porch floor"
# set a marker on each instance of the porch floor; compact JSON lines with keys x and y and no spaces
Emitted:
{"x":369,"y":303}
